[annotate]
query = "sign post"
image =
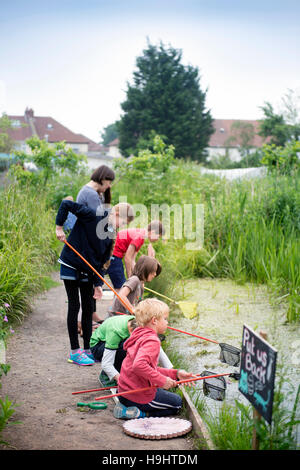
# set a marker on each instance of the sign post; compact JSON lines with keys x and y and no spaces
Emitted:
{"x":257,"y":375}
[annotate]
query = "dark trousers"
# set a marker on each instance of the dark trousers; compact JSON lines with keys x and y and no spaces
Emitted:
{"x":76,"y":291}
{"x":116,"y":272}
{"x":165,"y":403}
{"x":98,"y":351}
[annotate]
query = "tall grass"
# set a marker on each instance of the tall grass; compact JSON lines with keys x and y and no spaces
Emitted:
{"x":232,"y":428}
{"x":251,"y":228}
{"x":27,"y":246}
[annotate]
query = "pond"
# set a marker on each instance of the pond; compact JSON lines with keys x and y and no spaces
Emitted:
{"x":223,"y":307}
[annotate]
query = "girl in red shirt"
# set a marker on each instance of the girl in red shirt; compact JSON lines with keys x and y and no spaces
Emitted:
{"x":128,"y":243}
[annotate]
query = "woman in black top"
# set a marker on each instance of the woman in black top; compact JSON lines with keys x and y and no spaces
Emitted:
{"x":93,"y":237}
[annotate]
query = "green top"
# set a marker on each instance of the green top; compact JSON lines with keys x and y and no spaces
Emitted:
{"x":112,"y":331}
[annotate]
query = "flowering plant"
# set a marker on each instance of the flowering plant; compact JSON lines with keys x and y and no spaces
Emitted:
{"x":4,"y":327}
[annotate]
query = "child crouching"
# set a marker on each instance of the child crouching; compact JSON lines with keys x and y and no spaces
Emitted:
{"x":107,"y":346}
{"x":139,"y":368}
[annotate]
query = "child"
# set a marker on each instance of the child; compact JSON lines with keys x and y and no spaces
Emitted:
{"x":139,"y":368}
{"x":107,"y":346}
{"x":128,"y":244}
{"x":145,"y":270}
{"x":92,"y":236}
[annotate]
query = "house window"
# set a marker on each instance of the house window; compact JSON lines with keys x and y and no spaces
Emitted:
{"x":49,"y":126}
{"x":16,"y":123}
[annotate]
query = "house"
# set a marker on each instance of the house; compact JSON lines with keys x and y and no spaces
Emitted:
{"x":114,"y":148}
{"x":47,"y":128}
{"x":230,"y":137}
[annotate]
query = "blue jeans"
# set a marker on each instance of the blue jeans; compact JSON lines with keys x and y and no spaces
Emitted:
{"x":116,"y":272}
{"x":98,"y":351}
{"x":164,"y":404}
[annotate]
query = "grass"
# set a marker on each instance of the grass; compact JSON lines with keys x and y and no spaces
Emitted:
{"x":28,"y":247}
{"x":231,"y":428}
{"x":251,"y":228}
{"x":251,"y":234}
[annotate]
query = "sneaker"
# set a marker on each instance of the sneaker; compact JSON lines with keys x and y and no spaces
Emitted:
{"x":81,"y":359}
{"x":104,"y":380}
{"x":130,"y":412}
{"x":89,"y":355}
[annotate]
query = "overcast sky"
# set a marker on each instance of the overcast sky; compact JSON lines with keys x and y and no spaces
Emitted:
{"x":72,"y":59}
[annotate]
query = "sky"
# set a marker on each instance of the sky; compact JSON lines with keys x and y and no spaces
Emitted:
{"x":72,"y":60}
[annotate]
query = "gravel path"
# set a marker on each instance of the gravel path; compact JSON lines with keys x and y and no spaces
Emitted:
{"x":41,"y":382}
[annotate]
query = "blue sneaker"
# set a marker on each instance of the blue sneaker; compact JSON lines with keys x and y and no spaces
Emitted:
{"x":89,"y":355}
{"x":81,"y":359}
{"x":130,"y":412}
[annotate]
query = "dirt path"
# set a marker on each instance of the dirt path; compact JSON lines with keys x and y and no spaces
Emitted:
{"x":41,"y":382}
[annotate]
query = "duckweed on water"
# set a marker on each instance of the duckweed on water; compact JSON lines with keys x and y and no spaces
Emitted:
{"x":217,"y":320}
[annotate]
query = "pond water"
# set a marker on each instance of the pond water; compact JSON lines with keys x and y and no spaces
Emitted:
{"x":223,"y":308}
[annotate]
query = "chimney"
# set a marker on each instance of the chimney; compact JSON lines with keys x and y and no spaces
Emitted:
{"x":30,"y":119}
{"x":28,"y":114}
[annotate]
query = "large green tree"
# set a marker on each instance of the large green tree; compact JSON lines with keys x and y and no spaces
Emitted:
{"x":165,"y":98}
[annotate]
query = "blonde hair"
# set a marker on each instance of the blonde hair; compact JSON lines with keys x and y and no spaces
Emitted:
{"x":149,"y":308}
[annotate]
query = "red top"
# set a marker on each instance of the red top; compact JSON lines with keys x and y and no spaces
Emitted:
{"x":130,"y":236}
{"x":139,"y":368}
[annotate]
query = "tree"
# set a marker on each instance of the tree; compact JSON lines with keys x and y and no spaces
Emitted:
{"x":6,"y":142}
{"x":273,"y":126}
{"x":284,"y":126}
{"x":291,"y":112}
{"x":165,"y":99}
{"x":110,"y":133}
{"x":50,"y":160}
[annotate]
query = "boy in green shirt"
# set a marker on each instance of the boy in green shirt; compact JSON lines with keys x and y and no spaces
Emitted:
{"x":106,"y":344}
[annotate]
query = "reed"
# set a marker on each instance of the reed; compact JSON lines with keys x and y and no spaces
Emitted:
{"x":28,"y":247}
{"x":251,"y":228}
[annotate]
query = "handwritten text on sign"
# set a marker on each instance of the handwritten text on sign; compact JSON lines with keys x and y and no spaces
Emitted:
{"x":257,"y":375}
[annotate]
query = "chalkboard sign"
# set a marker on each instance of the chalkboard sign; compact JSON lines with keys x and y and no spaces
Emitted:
{"x":257,"y":372}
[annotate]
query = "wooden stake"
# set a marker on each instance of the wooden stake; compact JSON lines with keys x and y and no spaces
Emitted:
{"x":256,"y":414}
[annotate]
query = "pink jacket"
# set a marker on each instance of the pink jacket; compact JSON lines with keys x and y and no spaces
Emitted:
{"x":139,"y":368}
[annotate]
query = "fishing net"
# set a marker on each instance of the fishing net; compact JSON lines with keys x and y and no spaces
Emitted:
{"x":214,"y":387}
{"x":229,"y":354}
{"x":189,"y":309}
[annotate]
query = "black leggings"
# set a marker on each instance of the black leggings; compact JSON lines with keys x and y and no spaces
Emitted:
{"x":86,"y":290}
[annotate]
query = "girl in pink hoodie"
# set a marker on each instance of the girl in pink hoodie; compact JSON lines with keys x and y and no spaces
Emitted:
{"x":140,"y":369}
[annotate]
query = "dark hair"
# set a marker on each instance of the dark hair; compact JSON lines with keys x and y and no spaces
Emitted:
{"x":101,"y":173}
{"x":144,"y":266}
{"x":157,"y":227}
